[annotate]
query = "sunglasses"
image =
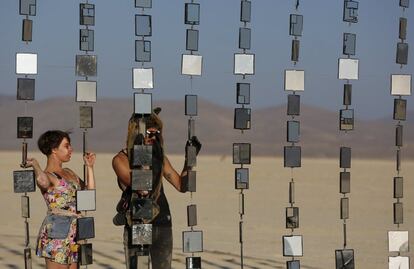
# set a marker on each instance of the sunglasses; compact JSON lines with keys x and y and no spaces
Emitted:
{"x":151,"y":134}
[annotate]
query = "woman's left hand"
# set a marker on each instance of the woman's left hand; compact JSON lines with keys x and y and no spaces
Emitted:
{"x":89,"y":159}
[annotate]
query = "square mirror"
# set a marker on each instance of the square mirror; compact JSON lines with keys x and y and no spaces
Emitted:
{"x":142,"y":103}
{"x":192,"y":14}
{"x":244,"y":64}
{"x":190,"y":105}
{"x":191,"y":40}
{"x":294,"y":80}
{"x":243,"y":93}
{"x":24,"y":127}
{"x":192,"y":241}
{"x":86,"y":65}
{"x":85,"y":117}
{"x":399,"y":262}
{"x":87,"y":14}
{"x":141,"y":234}
{"x":402,"y":33}
{"x":293,"y":264}
{"x":346,"y":119}
{"x":241,"y":178}
{"x":398,"y":213}
{"x":191,"y":65}
{"x":405,"y":3}
{"x":293,"y":107}
{"x":25,"y":202}
{"x":193,"y":262}
{"x":85,"y":254}
{"x":344,"y":259}
{"x":293,"y":131}
{"x":400,"y":109}
{"x":400,"y":84}
{"x":295,"y":50}
{"x":345,"y":157}
{"x":27,"y":30}
{"x":292,"y":156}
{"x":398,"y":241}
{"x":345,"y":182}
{"x":141,"y":179}
{"x":191,"y":215}
{"x":244,"y":38}
{"x":242,"y":118}
{"x":245,"y":11}
{"x":398,"y":187}
{"x":86,"y":40}
{"x":348,"y":68}
{"x":296,"y":25}
{"x":143,"y":3}
{"x":143,"y":25}
{"x":349,"y":44}
{"x":350,"y":11}
{"x":344,"y":208}
{"x":85,"y":228}
{"x":85,"y":200}
{"x":141,"y":209}
{"x":26,"y":63}
{"x":86,"y":91}
{"x":25,"y":89}
{"x":27,"y":7}
{"x":292,"y":217}
{"x":402,"y":53}
{"x":142,"y":51}
{"x":292,"y":245}
{"x":24,"y":181}
{"x":399,"y":136}
{"x":142,"y":78}
{"x":141,"y":156}
{"x":347,"y":99}
{"x":241,"y":153}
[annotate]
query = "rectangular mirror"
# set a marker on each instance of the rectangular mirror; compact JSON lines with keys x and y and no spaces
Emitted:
{"x":86,"y":40}
{"x":398,"y":213}
{"x":399,"y":136}
{"x":25,"y":89}
{"x":291,"y":192}
{"x":25,"y":202}
{"x":141,"y":156}
{"x":193,"y":262}
{"x":345,"y":157}
{"x":398,"y":241}
{"x":27,"y":30}
{"x":242,"y":118}
{"x":241,"y":178}
{"x":141,"y":209}
{"x":245,"y":11}
{"x":27,"y":258}
{"x":405,"y":3}
{"x":402,"y":33}
{"x":398,"y":187}
{"x":86,"y":91}
{"x":190,"y":105}
{"x":296,"y":25}
{"x":85,"y":117}
{"x":142,"y":103}
{"x":292,"y":217}
{"x":402,"y":53}
{"x":344,"y":259}
{"x":192,"y":14}
{"x":399,"y":262}
{"x":191,"y":65}
{"x":292,"y":156}
{"x":293,"y":264}
{"x":27,"y":7}
{"x":86,"y":65}
{"x":191,"y":128}
{"x":190,"y":183}
{"x":24,"y":127}
{"x":87,"y":14}
{"x":346,"y":119}
{"x":142,"y":78}
{"x":400,"y":84}
{"x":243,"y":93}
{"x":350,"y":11}
{"x":295,"y":50}
{"x":143,"y":25}
{"x":293,"y":131}
{"x":241,"y":203}
{"x":143,"y":3}
{"x":244,"y":38}
{"x":349,"y":44}
{"x":292,"y":245}
{"x":85,"y":228}
{"x":348,"y":69}
{"x":294,"y":80}
{"x":142,"y":51}
{"x":85,"y":200}
{"x":347,"y":99}
{"x":24,"y":181}
{"x":293,"y":107}
{"x":191,"y":154}
{"x":398,"y":160}
{"x":192,"y":241}
{"x":141,"y":179}
{"x":141,"y":234}
{"x":344,"y":208}
{"x":345,"y":182}
{"x":400,"y":109}
{"x":26,"y":63}
{"x":243,"y":64}
{"x":191,"y":215}
{"x":191,"y":40}
{"x":241,"y":153}
{"x":85,"y":254}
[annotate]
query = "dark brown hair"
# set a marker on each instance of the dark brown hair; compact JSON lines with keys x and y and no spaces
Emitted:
{"x":51,"y":140}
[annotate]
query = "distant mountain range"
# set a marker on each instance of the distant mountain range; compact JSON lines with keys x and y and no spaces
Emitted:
{"x":319,"y":132}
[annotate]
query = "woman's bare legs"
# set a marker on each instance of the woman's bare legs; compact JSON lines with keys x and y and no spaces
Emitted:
{"x":54,"y":265}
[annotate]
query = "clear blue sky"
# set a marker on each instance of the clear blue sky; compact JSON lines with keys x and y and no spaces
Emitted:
{"x":56,"y":37}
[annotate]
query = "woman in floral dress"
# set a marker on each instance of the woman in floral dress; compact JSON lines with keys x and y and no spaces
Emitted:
{"x":58,"y":186}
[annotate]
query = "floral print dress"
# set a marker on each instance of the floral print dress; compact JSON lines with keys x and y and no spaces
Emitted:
{"x":63,"y":251}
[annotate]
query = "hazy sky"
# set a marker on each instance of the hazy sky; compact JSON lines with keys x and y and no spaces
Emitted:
{"x":56,"y":37}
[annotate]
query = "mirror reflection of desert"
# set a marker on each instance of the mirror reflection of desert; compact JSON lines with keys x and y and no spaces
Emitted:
{"x":317,"y":196}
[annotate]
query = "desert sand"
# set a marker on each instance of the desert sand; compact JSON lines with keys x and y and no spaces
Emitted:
{"x":317,"y":196}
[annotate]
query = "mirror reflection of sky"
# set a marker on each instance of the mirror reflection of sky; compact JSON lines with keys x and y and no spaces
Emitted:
{"x":56,"y":36}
